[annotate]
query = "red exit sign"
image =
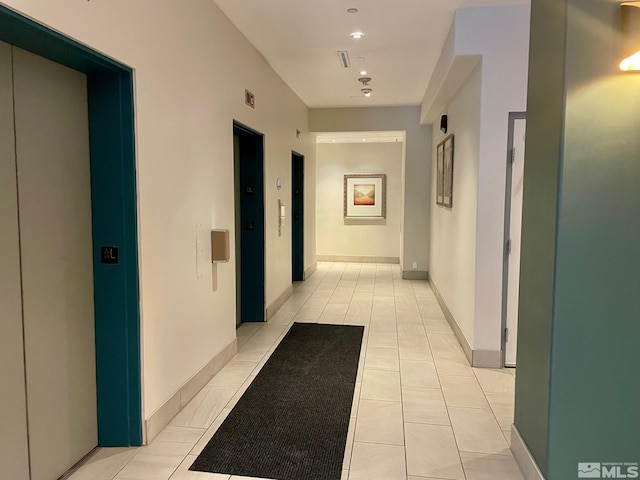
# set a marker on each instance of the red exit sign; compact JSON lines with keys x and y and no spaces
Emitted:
{"x":249,"y":99}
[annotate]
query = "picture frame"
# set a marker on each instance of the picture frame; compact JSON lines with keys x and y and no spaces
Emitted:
{"x":440,"y":174}
{"x":445,"y":172}
{"x":365,"y":195}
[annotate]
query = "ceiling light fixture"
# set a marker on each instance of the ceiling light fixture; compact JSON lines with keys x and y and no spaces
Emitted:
{"x":631,"y":36}
{"x":364,"y":80}
{"x":357,"y":35}
{"x":364,"y":139}
{"x":352,"y":10}
{"x":363,"y":72}
{"x":366,"y":91}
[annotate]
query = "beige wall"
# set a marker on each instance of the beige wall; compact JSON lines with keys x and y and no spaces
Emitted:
{"x":191,"y":68}
{"x":417,"y":165}
{"x":337,"y":237}
{"x":453,"y":230}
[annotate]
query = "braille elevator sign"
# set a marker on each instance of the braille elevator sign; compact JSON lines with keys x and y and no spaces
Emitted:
{"x":109,"y":255}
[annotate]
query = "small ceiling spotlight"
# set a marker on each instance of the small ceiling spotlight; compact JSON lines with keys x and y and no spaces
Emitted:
{"x":364,"y":80}
{"x":357,"y":35}
{"x":363,"y":72}
{"x":352,"y":10}
{"x":366,"y":91}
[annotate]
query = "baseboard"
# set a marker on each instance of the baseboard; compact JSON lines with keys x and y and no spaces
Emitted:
{"x":487,"y":358}
{"x":526,"y":462}
{"x":278,"y":302}
{"x":311,"y":270}
{"x":357,"y":259}
{"x":477,"y":358}
{"x":414,"y":275}
{"x":169,"y":409}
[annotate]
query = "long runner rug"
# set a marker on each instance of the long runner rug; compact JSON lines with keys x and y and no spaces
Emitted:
{"x":292,"y":422}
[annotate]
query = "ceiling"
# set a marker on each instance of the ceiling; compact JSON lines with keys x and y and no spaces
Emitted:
{"x":300,"y":40}
{"x":361,"y":137}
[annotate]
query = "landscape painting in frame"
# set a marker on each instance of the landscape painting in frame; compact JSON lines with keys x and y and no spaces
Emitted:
{"x":365,"y":195}
{"x":444,"y":179}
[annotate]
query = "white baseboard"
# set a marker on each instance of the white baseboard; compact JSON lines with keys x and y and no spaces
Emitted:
{"x":356,"y":259}
{"x":278,"y":302}
{"x":523,"y":456}
{"x":169,"y":409}
{"x":477,"y":358}
{"x":311,"y":270}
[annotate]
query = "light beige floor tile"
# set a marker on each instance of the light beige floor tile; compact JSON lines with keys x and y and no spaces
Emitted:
{"x":507,"y":436}
{"x":146,"y":466}
{"x":437,"y":326}
{"x":232,"y":375}
{"x":458,"y":366}
{"x":371,"y":461}
{"x":412,"y":477}
{"x":445,"y":345}
{"x":331,"y":319}
{"x":432,"y":452}
{"x":183,"y":472}
{"x":204,"y":408}
{"x":477,"y":431}
{"x":382,"y":358}
{"x":380,"y":385}
{"x":462,"y":392}
{"x":174,"y":440}
{"x":104,"y":464}
{"x":409,"y":319}
{"x":414,"y":348}
{"x":384,"y":341}
{"x":424,"y":405}
{"x":379,"y":422}
{"x":356,"y":399}
{"x":414,"y":373}
{"x":383,"y":325}
{"x":337,"y":308}
{"x":210,"y":432}
{"x":411,"y":331}
{"x":490,"y":467}
{"x":496,"y":381}
{"x":503,"y":408}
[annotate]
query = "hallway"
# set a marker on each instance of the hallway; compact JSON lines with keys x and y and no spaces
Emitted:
{"x":420,"y":411}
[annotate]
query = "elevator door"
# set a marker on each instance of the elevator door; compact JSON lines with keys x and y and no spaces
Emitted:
{"x":52,"y":185}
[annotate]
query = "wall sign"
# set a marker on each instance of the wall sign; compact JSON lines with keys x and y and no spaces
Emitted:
{"x":109,"y":255}
{"x":249,"y":99}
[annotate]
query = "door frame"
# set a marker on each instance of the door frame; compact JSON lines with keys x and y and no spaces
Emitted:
{"x":245,"y":132}
{"x":513,"y":116}
{"x":296,"y":157}
{"x":110,"y":89}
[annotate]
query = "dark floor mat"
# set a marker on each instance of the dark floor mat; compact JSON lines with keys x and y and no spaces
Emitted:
{"x":292,"y":422}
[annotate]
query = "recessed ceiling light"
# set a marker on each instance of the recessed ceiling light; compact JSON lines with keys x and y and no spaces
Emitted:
{"x":363,"y":72}
{"x":334,"y":140}
{"x":352,"y":10}
{"x":357,"y":35}
{"x":364,"y":139}
{"x":366,"y":91}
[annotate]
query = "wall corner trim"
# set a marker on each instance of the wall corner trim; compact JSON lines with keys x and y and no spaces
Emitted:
{"x":169,"y":409}
{"x":278,"y":302}
{"x":524,"y":459}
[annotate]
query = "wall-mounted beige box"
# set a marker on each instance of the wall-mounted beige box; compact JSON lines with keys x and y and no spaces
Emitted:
{"x":219,"y":246}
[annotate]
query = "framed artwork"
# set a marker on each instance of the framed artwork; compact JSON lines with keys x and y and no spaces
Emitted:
{"x":365,"y":196}
{"x":440,"y":175}
{"x":444,"y":190}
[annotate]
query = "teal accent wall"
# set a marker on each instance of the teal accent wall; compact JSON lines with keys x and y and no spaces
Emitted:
{"x":114,"y":210}
{"x":579,"y":344}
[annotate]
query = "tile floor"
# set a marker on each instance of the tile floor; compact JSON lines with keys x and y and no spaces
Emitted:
{"x":420,"y":411}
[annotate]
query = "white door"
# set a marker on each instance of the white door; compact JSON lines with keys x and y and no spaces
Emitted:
{"x":513,"y":288}
{"x":52,"y":186}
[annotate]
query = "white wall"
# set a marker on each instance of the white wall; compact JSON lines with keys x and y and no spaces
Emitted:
{"x":415,"y":220}
{"x":358,"y":237}
{"x":191,"y":68}
{"x":453,"y":230}
{"x":500,"y":36}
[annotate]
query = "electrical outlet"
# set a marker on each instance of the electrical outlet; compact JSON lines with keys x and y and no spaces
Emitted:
{"x":415,"y":265}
